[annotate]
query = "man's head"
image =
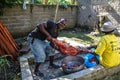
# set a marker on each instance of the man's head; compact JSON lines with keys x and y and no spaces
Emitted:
{"x":62,"y":23}
{"x":108,"y":27}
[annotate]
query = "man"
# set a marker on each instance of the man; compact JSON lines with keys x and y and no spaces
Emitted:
{"x":40,"y":39}
{"x":108,"y":48}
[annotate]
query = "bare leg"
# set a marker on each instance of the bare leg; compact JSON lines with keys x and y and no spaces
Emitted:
{"x":51,"y":60}
{"x":36,"y":71}
{"x":37,"y":64}
{"x":52,"y":64}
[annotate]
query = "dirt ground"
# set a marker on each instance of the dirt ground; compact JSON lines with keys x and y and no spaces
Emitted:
{"x":13,"y":71}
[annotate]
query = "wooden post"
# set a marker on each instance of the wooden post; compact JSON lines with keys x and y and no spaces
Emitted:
{"x":56,"y":10}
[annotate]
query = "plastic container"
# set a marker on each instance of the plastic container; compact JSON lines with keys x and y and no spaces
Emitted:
{"x":91,"y":60}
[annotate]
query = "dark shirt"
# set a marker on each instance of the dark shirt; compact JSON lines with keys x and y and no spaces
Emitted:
{"x":51,"y":29}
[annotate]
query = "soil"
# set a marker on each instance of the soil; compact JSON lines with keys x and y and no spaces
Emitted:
{"x":13,"y":72}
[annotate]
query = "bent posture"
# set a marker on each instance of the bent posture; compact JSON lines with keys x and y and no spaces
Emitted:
{"x":40,"y":39}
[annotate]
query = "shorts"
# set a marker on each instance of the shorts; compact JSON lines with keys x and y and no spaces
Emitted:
{"x":40,"y":49}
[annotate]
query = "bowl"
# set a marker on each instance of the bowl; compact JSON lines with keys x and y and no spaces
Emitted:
{"x":72,"y":64}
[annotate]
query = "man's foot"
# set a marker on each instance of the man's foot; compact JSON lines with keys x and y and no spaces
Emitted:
{"x":54,"y":66}
{"x":39,"y":73}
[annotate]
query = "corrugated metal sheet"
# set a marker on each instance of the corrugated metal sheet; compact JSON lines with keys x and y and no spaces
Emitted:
{"x":7,"y":43}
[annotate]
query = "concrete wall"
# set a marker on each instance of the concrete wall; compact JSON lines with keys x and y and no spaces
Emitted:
{"x":108,"y":8}
{"x":91,"y":12}
{"x":87,"y":17}
{"x":20,"y":22}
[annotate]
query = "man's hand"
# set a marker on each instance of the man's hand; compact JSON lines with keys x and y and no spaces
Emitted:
{"x":90,"y":51}
{"x":83,"y":49}
{"x":53,"y":43}
{"x":49,"y":38}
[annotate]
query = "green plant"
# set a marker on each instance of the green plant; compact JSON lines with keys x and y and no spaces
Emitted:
{"x":3,"y":62}
{"x":8,"y":3}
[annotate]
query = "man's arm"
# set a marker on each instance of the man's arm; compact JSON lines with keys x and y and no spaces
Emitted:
{"x":43,"y":30}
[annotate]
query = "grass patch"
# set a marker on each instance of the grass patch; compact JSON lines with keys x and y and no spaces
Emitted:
{"x":84,"y":38}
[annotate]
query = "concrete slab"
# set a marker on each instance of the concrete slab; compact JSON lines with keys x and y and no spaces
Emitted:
{"x":96,"y":72}
{"x":25,"y":69}
{"x":79,"y":74}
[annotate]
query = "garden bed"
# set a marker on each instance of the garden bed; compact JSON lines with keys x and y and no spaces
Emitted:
{"x":10,"y":71}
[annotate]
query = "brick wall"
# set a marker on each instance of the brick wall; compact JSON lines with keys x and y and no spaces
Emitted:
{"x":20,"y":22}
